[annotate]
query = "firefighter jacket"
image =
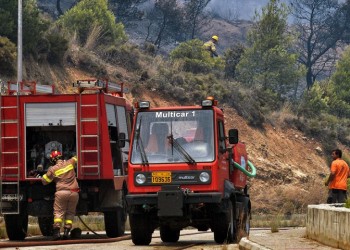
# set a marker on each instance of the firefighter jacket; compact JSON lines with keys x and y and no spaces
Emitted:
{"x":63,"y":174}
{"x":210,"y":46}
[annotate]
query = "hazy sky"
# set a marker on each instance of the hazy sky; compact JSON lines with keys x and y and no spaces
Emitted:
{"x":237,"y":9}
{"x":240,"y":9}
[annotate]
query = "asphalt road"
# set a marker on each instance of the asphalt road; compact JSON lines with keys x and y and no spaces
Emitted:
{"x":189,"y":239}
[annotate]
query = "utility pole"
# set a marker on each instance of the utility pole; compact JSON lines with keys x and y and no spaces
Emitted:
{"x":19,"y":45}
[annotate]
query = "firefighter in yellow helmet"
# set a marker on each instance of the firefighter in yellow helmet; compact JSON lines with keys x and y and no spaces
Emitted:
{"x":210,"y":45}
{"x":67,"y":192}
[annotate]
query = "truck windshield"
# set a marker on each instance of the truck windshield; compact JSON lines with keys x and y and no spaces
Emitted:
{"x":191,"y":129}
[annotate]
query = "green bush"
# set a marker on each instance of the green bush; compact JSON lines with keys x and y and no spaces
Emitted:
{"x":314,"y":101}
{"x":34,"y":27}
{"x":7,"y":57}
{"x":149,"y":48}
{"x":127,"y":56}
{"x":58,"y":47}
{"x":92,"y":64}
{"x":34,"y":24}
{"x":8,"y":19}
{"x":340,"y":85}
{"x":194,"y":58}
{"x":93,"y":13}
{"x":232,"y":57}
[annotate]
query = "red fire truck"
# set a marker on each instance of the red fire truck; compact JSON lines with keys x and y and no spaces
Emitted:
{"x":35,"y":121}
{"x":182,"y":172}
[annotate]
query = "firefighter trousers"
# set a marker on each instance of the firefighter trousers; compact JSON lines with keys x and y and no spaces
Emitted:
{"x":64,"y":207}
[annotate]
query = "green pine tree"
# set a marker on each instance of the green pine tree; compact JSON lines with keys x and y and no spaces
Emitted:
{"x":340,"y":87}
{"x":268,"y":64}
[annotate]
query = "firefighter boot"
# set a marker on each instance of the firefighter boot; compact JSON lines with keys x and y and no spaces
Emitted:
{"x":56,"y":233}
{"x":66,"y":233}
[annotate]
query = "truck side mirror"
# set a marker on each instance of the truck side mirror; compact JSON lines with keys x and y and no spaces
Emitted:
{"x":121,"y":140}
{"x":233,"y":136}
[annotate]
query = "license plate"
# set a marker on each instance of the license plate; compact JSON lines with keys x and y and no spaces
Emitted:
{"x":161,"y":177}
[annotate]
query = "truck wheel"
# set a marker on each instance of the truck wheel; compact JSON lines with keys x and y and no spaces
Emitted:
{"x":232,"y":227}
{"x":226,"y":231}
{"x":141,"y":229}
{"x":169,"y":235}
{"x":45,"y":225}
{"x":220,"y":231}
{"x":16,"y":225}
{"x":115,"y":222}
{"x":244,"y":222}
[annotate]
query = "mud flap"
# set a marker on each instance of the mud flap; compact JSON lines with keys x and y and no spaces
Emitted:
{"x":170,"y":201}
{"x":229,"y":189}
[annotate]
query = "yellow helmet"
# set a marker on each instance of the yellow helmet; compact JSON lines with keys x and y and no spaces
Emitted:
{"x":216,"y":38}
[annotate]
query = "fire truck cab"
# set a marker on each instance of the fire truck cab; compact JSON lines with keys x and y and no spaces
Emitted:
{"x":182,"y":172}
{"x":35,"y":121}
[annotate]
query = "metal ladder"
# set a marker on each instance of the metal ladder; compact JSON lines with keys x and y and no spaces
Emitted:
{"x":89,"y":155}
{"x":10,"y":174}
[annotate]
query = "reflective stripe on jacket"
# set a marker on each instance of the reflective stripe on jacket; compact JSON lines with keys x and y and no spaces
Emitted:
{"x":63,"y":174}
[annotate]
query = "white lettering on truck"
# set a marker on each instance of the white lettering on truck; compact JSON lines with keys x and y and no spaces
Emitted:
{"x":176,"y":114}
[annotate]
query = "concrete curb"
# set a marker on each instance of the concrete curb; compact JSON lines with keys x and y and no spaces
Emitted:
{"x":245,"y":244}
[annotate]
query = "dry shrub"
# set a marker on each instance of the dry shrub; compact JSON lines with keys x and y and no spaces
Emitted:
{"x":72,"y":54}
{"x":126,"y":55}
{"x":92,"y":63}
{"x":282,"y":116}
{"x":275,"y":224}
{"x":7,"y":57}
{"x":93,"y":37}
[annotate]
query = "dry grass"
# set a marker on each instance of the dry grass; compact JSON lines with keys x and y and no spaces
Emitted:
{"x":289,"y":198}
{"x":275,"y":221}
{"x":282,"y":116}
{"x":94,"y":35}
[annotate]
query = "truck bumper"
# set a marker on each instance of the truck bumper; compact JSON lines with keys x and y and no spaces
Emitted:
{"x":152,"y":199}
{"x":171,"y":200}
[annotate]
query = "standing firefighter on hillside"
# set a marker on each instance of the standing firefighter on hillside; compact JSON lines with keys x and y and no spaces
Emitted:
{"x":67,"y":192}
{"x":210,"y":46}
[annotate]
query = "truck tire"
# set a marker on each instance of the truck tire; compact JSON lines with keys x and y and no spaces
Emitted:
{"x":220,"y":231}
{"x":244,"y":219}
{"x":226,"y":229}
{"x":232,"y":227}
{"x":115,"y":222}
{"x":16,"y":225}
{"x":169,"y":235}
{"x":45,"y":225}
{"x":141,"y":229}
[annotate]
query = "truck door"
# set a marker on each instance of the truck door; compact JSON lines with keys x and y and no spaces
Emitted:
{"x":117,"y":123}
{"x":222,"y":152}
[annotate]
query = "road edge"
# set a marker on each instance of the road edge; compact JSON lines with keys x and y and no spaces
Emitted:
{"x":246,"y":244}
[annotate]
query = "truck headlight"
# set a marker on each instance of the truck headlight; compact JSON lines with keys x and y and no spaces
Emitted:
{"x":204,"y":177}
{"x":140,"y":178}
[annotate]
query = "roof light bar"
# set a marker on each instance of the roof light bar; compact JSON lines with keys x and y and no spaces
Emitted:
{"x":144,"y":105}
{"x":207,"y":103}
